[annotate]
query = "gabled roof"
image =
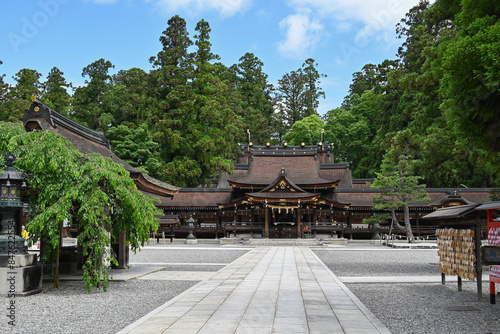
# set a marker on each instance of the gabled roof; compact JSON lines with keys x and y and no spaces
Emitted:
{"x":282,"y":189}
{"x":452,"y":212}
{"x":41,"y":117}
{"x":302,"y":170}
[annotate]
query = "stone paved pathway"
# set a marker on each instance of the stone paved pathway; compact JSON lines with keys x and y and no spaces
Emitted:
{"x":268,"y":290}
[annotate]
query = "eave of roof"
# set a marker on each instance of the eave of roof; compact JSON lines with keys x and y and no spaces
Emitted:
{"x":147,"y":183}
{"x":283,"y":197}
{"x":488,"y":206}
{"x":452,"y":212}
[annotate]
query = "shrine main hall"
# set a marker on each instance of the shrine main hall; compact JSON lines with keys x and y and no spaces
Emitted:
{"x":294,"y":192}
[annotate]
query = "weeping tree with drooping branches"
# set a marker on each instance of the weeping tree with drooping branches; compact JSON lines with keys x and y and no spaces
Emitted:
{"x":94,"y":189}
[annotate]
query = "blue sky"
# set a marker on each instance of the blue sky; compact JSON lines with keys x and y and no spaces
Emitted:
{"x":341,"y":35}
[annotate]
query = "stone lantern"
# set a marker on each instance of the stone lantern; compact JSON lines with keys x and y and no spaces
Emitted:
{"x":18,"y":268}
{"x":191,"y":239}
{"x":10,"y":204}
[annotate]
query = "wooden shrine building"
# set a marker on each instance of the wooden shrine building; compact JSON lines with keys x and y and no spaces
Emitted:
{"x":295,"y":192}
{"x":40,"y":117}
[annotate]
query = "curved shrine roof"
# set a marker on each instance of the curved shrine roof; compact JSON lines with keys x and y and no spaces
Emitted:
{"x":41,"y":117}
{"x":302,"y":170}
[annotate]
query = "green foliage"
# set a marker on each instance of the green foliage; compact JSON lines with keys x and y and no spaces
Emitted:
{"x":297,"y":95}
{"x":136,"y":147}
{"x":9,"y":130}
{"x":197,"y":124}
{"x":88,"y":99}
{"x":471,"y":82}
{"x":100,"y":193}
{"x":312,"y":91}
{"x":55,"y":93}
{"x":377,"y":219}
{"x":353,"y":132}
{"x":255,"y":95}
{"x":442,"y":89}
{"x":128,"y":101}
{"x":401,"y":186}
{"x":307,"y":131}
{"x":16,"y":98}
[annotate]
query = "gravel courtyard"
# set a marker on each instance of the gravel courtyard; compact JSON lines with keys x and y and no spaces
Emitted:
{"x":401,"y":307}
{"x":416,"y":307}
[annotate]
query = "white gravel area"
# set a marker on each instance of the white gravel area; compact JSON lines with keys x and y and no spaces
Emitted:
{"x":72,"y":310}
{"x":413,"y":308}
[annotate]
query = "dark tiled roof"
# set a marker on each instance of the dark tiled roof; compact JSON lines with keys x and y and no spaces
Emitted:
{"x":301,"y":170}
{"x":490,"y":205}
{"x":200,"y":198}
{"x":282,"y":188}
{"x":362,"y":197}
{"x":452,"y":212}
{"x":40,"y":116}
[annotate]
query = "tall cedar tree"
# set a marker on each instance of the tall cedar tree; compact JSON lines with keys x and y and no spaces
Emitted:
{"x":19,"y":96}
{"x":256,"y":100}
{"x":55,"y":91}
{"x":170,"y":80}
{"x":196,"y":127}
{"x":298,"y":94}
{"x":88,"y":100}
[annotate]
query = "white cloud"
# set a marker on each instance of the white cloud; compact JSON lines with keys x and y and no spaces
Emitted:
{"x":226,"y":8}
{"x":375,"y":14}
{"x":302,"y":34}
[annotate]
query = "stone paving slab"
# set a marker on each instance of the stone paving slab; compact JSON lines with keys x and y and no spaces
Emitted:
{"x":268,"y":290}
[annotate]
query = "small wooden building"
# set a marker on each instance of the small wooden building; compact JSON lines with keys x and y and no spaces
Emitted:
{"x":40,"y":117}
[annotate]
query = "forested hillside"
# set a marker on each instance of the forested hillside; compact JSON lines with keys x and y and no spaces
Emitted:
{"x":436,"y":104}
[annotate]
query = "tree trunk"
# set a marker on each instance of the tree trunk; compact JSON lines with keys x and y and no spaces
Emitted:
{"x":409,"y":233}
{"x":58,"y":252}
{"x":395,"y":220}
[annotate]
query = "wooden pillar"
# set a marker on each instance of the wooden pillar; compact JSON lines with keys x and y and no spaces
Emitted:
{"x":315,"y":221}
{"x":349,"y":225}
{"x":217,"y":223}
{"x":330,"y":222}
{"x":252,"y":208}
{"x":418,"y":223}
{"x":299,"y":225}
{"x":266,"y":229}
{"x":123,"y":262}
{"x":479,"y":260}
